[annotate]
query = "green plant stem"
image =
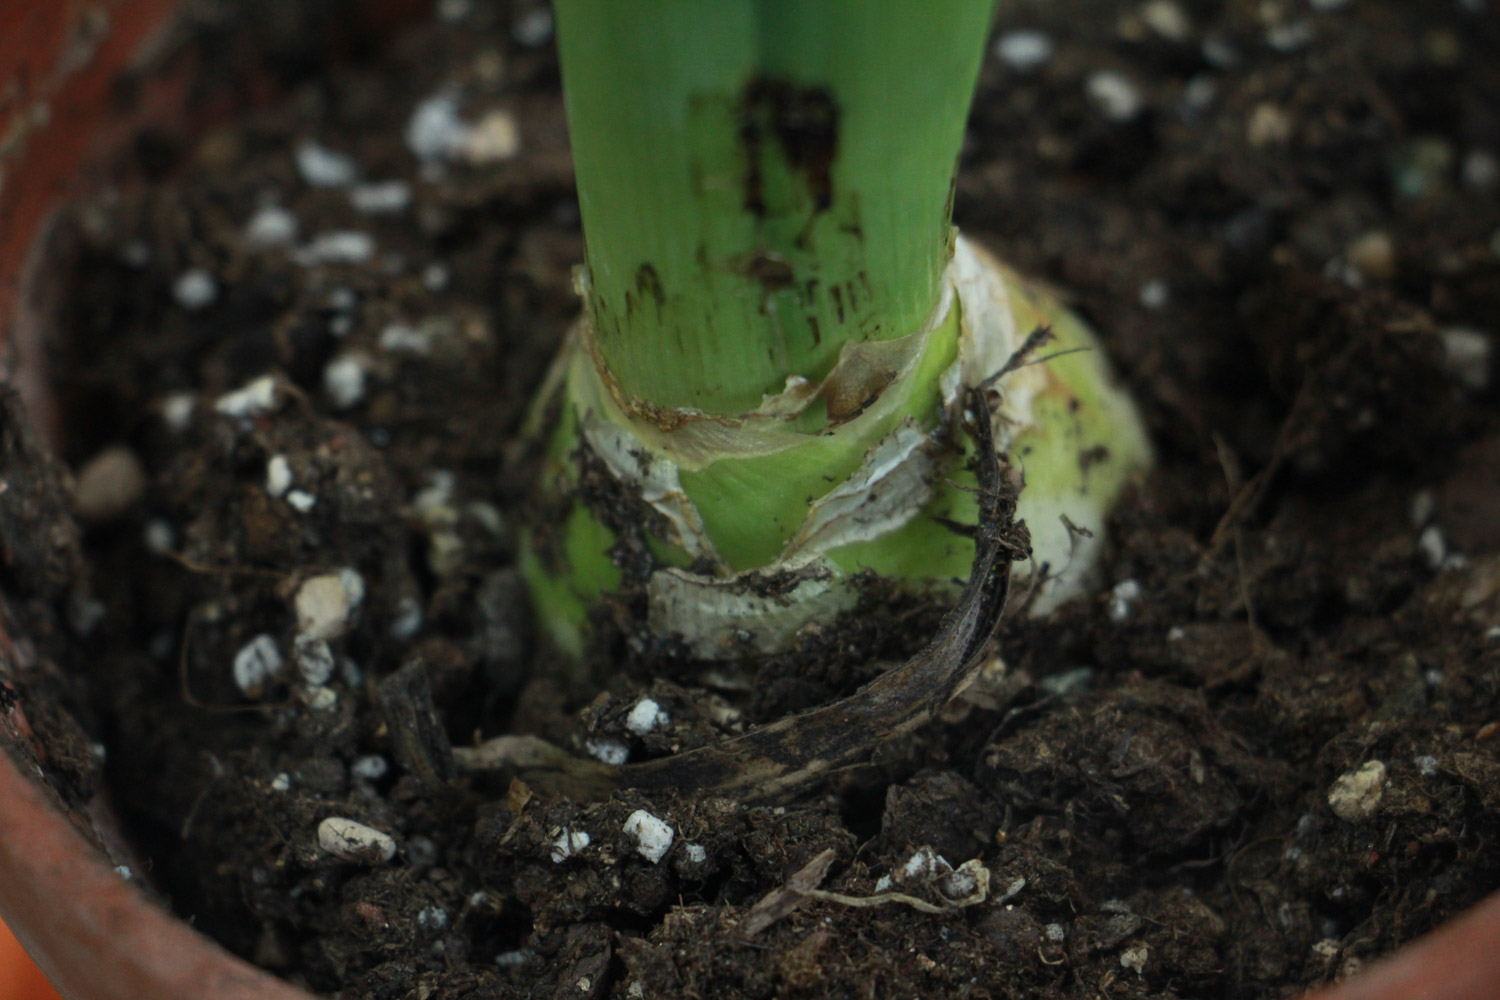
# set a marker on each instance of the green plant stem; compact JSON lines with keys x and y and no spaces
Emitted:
{"x":761,"y":181}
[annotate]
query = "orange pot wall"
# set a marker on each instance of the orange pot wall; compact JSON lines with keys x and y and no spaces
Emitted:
{"x":20,"y":979}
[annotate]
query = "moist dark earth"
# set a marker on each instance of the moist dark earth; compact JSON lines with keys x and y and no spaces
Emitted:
{"x":1264,"y":753}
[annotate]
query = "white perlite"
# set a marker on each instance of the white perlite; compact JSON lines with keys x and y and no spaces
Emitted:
{"x":611,"y":752}
{"x":1122,"y":598}
{"x":314,"y":660}
{"x":1114,"y":95}
{"x":257,"y":662}
{"x":351,"y":840}
{"x":568,"y":843}
{"x":1355,"y":795}
{"x":301,"y":501}
{"x":340,"y":246}
{"x":270,"y":226}
{"x":322,"y":167}
{"x":344,"y":380}
{"x":696,"y":853}
{"x":653,"y":837}
{"x":252,"y":399}
{"x":1134,"y":959}
{"x":381,"y":197}
{"x":645,"y":716}
{"x":278,"y":475}
{"x":1024,"y":51}
{"x":322,"y":607}
{"x":195,"y":289}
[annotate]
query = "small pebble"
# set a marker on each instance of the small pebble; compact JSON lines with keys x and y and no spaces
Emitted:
{"x":381,"y":197}
{"x":1269,"y":125}
{"x":322,"y":607}
{"x":278,"y":476}
{"x":323,"y":168}
{"x":494,"y":138}
{"x":1024,"y":51}
{"x":252,"y":399}
{"x":1374,"y":254}
{"x":257,"y":662}
{"x":1356,"y":794}
{"x":344,"y":380}
{"x":645,"y":716}
{"x":1167,"y":19}
{"x":270,"y":226}
{"x":350,"y":840}
{"x":195,"y":289}
{"x":653,"y":837}
{"x":301,"y":501}
{"x":108,"y":485}
{"x":1114,"y":95}
{"x":569,"y":843}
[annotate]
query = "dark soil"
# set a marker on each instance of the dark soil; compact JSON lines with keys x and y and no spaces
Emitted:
{"x":1270,"y":754}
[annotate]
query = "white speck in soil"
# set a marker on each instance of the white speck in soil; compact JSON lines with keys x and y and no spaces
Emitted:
{"x":159,"y":536}
{"x":253,"y":399}
{"x":1427,"y":765}
{"x":1122,"y":600}
{"x":124,"y":872}
{"x":1068,"y":681}
{"x":281,"y":783}
{"x":321,"y":699}
{"x":653,"y":837}
{"x":1466,"y":356}
{"x":369,"y":767}
{"x":696,"y":853}
{"x":1055,"y":933}
{"x":351,"y":840}
{"x":1134,"y":958}
{"x":340,"y":246}
{"x":606,"y":751}
{"x":568,"y":843}
{"x":513,"y":959}
{"x":257,"y":662}
{"x":432,"y":918}
{"x":435,"y":130}
{"x":301,"y":501}
{"x":278,"y":475}
{"x":533,"y":28}
{"x":195,"y":289}
{"x":322,"y":167}
{"x":1288,"y":37}
{"x":1481,"y":170}
{"x":408,"y":619}
{"x":314,"y":659}
{"x":381,"y":197}
{"x":645,"y":716}
{"x":1155,"y":294}
{"x":354,"y":586}
{"x":1356,"y":794}
{"x":344,"y":380}
{"x":1114,"y":95}
{"x":1432,"y":546}
{"x":435,"y":277}
{"x":177,"y":411}
{"x":400,"y":338}
{"x":270,"y":226}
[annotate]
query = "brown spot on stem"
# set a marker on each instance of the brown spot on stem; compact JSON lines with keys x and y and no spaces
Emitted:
{"x":804,"y":121}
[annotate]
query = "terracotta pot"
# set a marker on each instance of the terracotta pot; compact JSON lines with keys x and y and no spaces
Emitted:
{"x":95,"y":934}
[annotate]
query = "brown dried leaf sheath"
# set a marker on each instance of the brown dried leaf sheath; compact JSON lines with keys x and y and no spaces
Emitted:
{"x":792,"y":755}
